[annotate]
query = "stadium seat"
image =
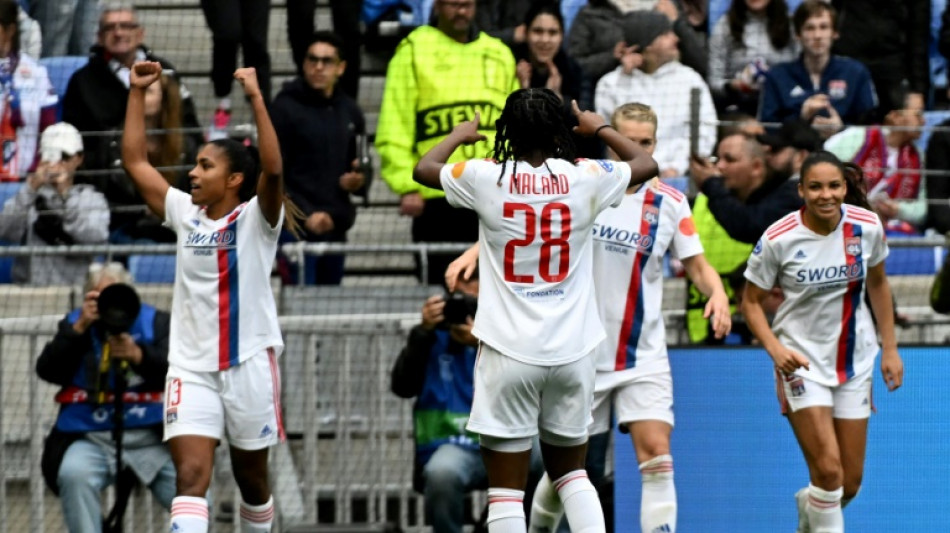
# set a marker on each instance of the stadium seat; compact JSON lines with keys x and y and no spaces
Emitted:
{"x":8,"y":189}
{"x":152,"y":268}
{"x":931,"y":119}
{"x":922,"y":261}
{"x":60,"y":69}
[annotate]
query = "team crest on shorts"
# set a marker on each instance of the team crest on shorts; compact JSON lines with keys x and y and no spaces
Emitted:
{"x":852,"y":246}
{"x":651,"y":214}
{"x":171,"y":415}
{"x":796,"y":384}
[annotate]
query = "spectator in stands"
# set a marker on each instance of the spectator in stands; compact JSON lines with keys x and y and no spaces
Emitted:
{"x":168,"y":147}
{"x":318,"y":127}
{"x":736,"y":122}
{"x":893,"y":168}
{"x":436,"y":367}
{"x":236,"y":24}
{"x":742,"y":194}
{"x":752,"y":35}
{"x":441,"y":75}
{"x":692,"y":42}
{"x":541,"y":60}
{"x":27,"y":99}
{"x":79,"y":457}
{"x":69,"y":26}
{"x":50,"y":209}
{"x":346,"y":24}
{"x":31,"y":35}
{"x":95,"y":102}
{"x":788,"y":146}
{"x":892,"y":40}
{"x":597,"y":42}
{"x":738,"y":201}
{"x":828,"y":90}
{"x":505,"y":19}
{"x":937,"y":163}
{"x":656,"y":78}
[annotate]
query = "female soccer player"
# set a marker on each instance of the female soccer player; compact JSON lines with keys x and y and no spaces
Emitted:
{"x":633,"y":371}
{"x":822,"y":340}
{"x":537,"y":319}
{"x":222,"y":375}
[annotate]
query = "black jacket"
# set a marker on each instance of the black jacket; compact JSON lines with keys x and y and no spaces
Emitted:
{"x":318,"y":144}
{"x":95,"y":100}
{"x":747,"y":221}
{"x":938,"y":184}
{"x":888,"y":36}
{"x":62,"y":357}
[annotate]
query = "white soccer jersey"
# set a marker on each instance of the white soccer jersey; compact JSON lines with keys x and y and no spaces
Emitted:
{"x":223,"y":311}
{"x":629,"y":244}
{"x":536,"y":297}
{"x":824,"y":316}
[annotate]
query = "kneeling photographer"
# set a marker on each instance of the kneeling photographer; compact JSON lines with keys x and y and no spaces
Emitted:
{"x":109,"y":356}
{"x":437,"y":367}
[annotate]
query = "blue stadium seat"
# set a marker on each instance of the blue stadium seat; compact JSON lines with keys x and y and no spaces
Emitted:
{"x":60,"y":69}
{"x":6,"y":267}
{"x":931,"y":119}
{"x":923,"y":261}
{"x":8,"y":189}
{"x":152,"y":268}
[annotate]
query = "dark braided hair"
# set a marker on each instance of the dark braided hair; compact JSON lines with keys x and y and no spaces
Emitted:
{"x":533,"y":120}
{"x":853,"y":176}
{"x":247,"y":160}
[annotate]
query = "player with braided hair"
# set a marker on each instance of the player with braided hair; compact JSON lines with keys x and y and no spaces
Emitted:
{"x":537,"y":319}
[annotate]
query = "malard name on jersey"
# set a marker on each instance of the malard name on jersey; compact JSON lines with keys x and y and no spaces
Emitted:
{"x":439,"y":121}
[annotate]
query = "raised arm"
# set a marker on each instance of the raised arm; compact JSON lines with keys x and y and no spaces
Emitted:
{"x":642,"y":166}
{"x":270,"y":184}
{"x":430,"y":166}
{"x":149,"y":182}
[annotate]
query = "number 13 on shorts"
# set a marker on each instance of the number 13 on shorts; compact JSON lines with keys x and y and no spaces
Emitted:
{"x":549,"y":241}
{"x":172,"y":399}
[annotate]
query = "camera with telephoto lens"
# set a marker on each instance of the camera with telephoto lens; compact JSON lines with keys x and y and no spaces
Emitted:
{"x":458,"y":307}
{"x":119,"y":307}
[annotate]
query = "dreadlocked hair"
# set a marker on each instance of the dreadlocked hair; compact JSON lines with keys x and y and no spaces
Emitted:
{"x":247,"y":160}
{"x":533,"y":120}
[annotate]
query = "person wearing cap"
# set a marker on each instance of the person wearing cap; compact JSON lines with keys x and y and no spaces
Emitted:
{"x":788,"y":147}
{"x":51,"y":210}
{"x":79,"y":453}
{"x":655,"y":77}
{"x":893,"y":166}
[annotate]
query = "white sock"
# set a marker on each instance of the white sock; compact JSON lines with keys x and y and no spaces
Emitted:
{"x":546,"y":508}
{"x":257,"y":518}
{"x":824,"y":510}
{"x":801,"y":501}
{"x":189,"y":515}
{"x":506,"y":511}
{"x":225,"y":103}
{"x":581,"y":504}
{"x":658,"y":497}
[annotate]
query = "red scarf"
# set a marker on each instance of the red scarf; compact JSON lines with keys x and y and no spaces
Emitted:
{"x":872,"y":158}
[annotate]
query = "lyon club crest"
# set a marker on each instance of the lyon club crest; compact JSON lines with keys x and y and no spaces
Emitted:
{"x":852,"y":246}
{"x":651,"y":214}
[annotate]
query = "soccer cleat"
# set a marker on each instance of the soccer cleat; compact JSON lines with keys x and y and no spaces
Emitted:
{"x":219,"y":124}
{"x":801,"y":500}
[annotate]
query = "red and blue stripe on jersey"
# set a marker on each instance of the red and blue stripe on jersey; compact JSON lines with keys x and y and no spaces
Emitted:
{"x":229,"y":298}
{"x":632,"y":324}
{"x":844,"y":365}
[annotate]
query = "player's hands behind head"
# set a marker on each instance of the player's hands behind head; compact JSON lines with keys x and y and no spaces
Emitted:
{"x":144,"y":73}
{"x":467,"y":132}
{"x":587,"y":121}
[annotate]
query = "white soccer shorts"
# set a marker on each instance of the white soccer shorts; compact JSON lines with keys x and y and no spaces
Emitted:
{"x":850,"y":400}
{"x":634,"y":396}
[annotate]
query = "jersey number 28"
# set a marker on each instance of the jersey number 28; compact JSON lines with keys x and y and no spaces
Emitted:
{"x":548,"y":241}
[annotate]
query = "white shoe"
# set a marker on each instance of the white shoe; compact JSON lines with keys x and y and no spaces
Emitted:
{"x":801,"y":500}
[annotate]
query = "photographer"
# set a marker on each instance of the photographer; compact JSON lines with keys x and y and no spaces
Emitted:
{"x":50,"y":210}
{"x":79,"y":455}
